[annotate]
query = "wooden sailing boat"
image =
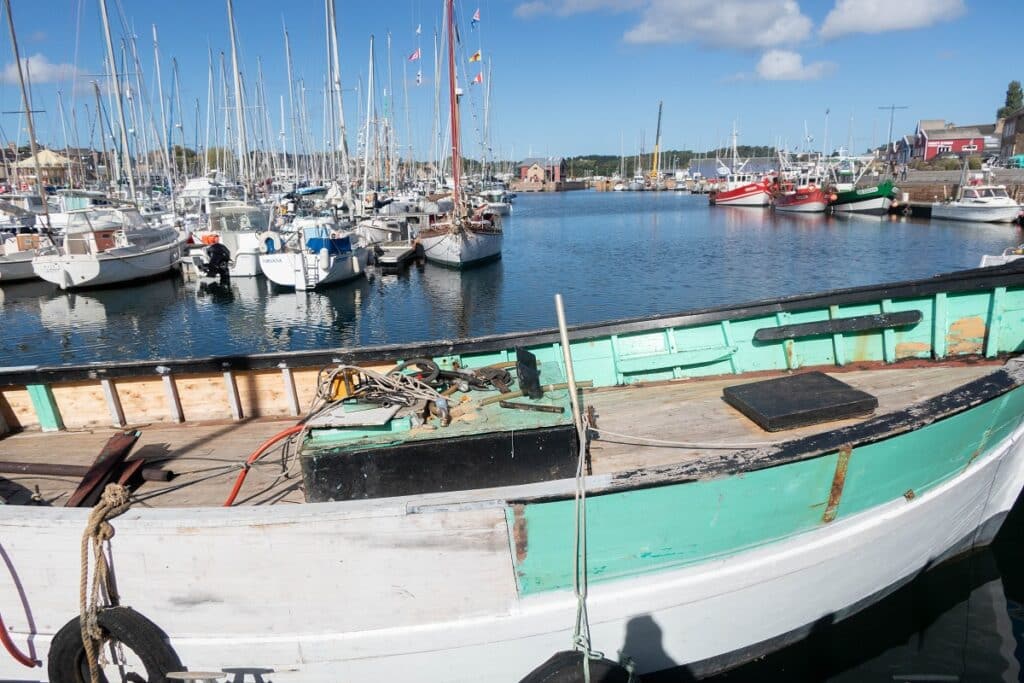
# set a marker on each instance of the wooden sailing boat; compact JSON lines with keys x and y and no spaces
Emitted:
{"x":463,"y":239}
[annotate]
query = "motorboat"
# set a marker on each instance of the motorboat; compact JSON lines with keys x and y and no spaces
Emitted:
{"x":245,"y":229}
{"x":979,"y":204}
{"x":109,"y":246}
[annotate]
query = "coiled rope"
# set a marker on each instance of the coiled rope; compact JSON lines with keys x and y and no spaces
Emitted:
{"x":114,"y":501}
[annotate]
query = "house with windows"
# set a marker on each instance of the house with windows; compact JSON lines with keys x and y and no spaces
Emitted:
{"x":935,"y":137}
{"x":541,"y":169}
{"x":1011,"y":142}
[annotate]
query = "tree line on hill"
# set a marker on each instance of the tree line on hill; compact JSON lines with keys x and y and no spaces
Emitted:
{"x":609,"y":164}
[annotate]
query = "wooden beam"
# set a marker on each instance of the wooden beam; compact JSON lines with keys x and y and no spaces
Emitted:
{"x":171,"y":391}
{"x":46,"y":407}
{"x":860,"y":323}
{"x":233,"y":400}
{"x":113,"y":454}
{"x":289,"y":389}
{"x":113,"y":403}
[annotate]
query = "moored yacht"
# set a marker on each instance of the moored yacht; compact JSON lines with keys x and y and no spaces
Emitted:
{"x":980,"y":204}
{"x":315,"y":254}
{"x":104,"y":247}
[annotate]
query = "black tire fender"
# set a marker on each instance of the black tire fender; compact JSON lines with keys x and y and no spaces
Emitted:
{"x":567,"y":667}
{"x":66,"y":661}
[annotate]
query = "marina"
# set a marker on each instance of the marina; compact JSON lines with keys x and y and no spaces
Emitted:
{"x":307,"y":375}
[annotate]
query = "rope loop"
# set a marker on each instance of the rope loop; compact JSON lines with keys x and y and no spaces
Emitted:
{"x":98,"y":531}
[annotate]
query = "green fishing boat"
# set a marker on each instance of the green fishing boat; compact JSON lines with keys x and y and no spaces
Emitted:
{"x":874,"y":199}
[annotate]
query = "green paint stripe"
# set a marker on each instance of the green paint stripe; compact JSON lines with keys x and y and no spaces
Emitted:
{"x":638,"y":532}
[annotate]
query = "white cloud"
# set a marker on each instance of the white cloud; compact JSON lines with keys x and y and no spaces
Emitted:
{"x":39,"y":70}
{"x":721,"y":23}
{"x":877,"y":16}
{"x":784,"y":65}
{"x":566,"y":7}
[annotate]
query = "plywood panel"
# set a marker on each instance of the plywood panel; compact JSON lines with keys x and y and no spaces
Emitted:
{"x":262,"y":393}
{"x":81,"y":404}
{"x":203,"y":397}
{"x":143,"y":400}
{"x":17,"y":409}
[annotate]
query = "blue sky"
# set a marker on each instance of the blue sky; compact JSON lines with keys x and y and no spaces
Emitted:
{"x":569,"y":76}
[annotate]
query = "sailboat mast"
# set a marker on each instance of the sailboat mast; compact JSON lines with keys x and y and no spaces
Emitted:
{"x":346,"y":177}
{"x":126,"y":155}
{"x":28,"y":113}
{"x":369,"y":119}
{"x":243,"y":153}
{"x":452,"y":95}
{"x":163,"y":114}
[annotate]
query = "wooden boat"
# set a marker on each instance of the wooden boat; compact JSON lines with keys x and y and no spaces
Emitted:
{"x":462,"y":240}
{"x":109,"y":247}
{"x":441,"y":543}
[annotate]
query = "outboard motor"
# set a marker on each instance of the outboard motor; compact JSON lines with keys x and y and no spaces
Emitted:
{"x":219,"y":264}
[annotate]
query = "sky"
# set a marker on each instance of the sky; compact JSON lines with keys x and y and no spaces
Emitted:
{"x":566,"y":77}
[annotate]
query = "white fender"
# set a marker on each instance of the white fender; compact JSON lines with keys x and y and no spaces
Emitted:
{"x":324,"y":260}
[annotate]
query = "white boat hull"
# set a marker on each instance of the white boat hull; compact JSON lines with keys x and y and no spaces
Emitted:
{"x":873,"y":205}
{"x":70,"y":271}
{"x":807,"y":207}
{"x":459,"y":249}
{"x":317,"y":592}
{"x":952,"y":211}
{"x":288,"y":269}
{"x":17,"y":267}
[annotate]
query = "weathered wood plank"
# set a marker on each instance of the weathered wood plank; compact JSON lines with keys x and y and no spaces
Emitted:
{"x":860,"y":323}
{"x":102,"y":471}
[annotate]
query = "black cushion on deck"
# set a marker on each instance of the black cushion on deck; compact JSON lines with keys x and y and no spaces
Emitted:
{"x":798,"y":400}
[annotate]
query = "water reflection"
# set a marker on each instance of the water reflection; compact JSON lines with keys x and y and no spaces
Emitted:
{"x":463,"y":303}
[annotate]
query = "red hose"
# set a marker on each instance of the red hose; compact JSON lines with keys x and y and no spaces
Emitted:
{"x":294,"y":429}
{"x":13,"y":650}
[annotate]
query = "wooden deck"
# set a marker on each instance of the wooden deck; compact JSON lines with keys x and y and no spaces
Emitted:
{"x":683,"y":416}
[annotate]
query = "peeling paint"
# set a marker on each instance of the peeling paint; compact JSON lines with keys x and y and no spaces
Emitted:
{"x":519,"y":535}
{"x":912,"y":349}
{"x":838,"y":482}
{"x":966,"y":335}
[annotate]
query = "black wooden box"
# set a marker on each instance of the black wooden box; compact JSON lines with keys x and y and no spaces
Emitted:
{"x":798,"y":400}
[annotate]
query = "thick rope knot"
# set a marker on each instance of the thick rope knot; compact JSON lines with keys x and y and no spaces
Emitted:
{"x":98,"y":530}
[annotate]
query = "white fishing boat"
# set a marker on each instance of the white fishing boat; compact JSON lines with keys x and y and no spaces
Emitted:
{"x":246,"y":231}
{"x":111,"y":246}
{"x":979,"y":204}
{"x":316,"y":254}
{"x":463,"y":239}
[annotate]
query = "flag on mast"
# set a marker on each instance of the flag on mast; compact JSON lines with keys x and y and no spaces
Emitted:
{"x":419,"y":29}
{"x":476,"y":18}
{"x":476,"y":57}
{"x":417,"y":53}
{"x":479,"y":78}
{"x":419,"y":77}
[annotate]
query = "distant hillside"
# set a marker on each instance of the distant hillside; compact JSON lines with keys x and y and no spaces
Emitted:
{"x":606,"y":164}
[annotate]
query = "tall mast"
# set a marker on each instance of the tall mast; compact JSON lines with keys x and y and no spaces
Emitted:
{"x":28,"y":114}
{"x":454,"y":102}
{"x":126,"y":156}
{"x":338,"y":105}
{"x":369,"y":118}
{"x":243,"y":153}
{"x":210,"y":109}
{"x":163,"y":113}
{"x":291,"y":102}
{"x":64,"y":129}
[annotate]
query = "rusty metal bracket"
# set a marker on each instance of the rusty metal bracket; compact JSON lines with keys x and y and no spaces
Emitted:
{"x":838,"y":483}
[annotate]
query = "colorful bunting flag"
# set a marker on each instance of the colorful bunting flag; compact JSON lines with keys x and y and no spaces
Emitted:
{"x":476,"y":18}
{"x":415,"y":55}
{"x":479,"y":78}
{"x":476,"y":56}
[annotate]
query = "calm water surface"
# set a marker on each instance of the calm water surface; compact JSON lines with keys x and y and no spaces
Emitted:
{"x":612,"y":255}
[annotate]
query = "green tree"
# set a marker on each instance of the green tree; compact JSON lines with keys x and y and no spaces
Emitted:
{"x":1014,"y":100}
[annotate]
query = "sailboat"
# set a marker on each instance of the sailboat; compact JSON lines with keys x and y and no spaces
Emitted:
{"x":464,"y":238}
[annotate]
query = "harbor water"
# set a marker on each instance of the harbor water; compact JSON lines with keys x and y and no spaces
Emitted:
{"x":611,"y":255}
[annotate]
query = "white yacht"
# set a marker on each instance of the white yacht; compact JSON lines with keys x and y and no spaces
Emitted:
{"x":110,"y":246}
{"x":316,"y":253}
{"x":980,"y":204}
